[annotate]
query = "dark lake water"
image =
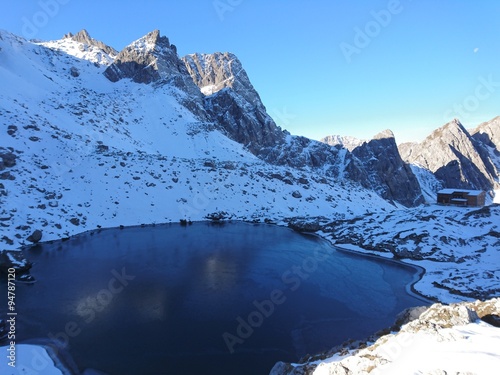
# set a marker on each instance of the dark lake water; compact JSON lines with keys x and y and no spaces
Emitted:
{"x":203,"y":299}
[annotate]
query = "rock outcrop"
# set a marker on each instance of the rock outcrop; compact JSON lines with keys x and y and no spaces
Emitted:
{"x":7,"y":158}
{"x":35,"y":237}
{"x":12,"y":259}
{"x":488,"y":133}
{"x":146,"y":60}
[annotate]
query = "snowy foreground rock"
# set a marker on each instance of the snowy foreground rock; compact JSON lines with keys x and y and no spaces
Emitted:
{"x":438,"y":340}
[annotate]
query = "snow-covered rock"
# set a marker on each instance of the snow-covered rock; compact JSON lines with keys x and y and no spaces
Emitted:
{"x":439,"y":340}
{"x":458,"y":247}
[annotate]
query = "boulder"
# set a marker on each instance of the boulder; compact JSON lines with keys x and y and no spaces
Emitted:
{"x":305,"y":225}
{"x":8,"y":159}
{"x":35,"y":237}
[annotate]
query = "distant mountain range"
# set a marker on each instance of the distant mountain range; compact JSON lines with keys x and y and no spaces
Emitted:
{"x":449,"y":157}
{"x":93,"y":136}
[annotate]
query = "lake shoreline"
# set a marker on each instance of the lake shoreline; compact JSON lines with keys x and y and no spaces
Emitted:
{"x":182,"y":231}
{"x":420,"y":271}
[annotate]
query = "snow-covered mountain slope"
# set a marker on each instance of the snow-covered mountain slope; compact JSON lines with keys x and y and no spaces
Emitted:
{"x":457,"y":339}
{"x":86,"y":48}
{"x":80,"y":151}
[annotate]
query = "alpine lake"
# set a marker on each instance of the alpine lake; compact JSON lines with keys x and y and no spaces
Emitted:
{"x":206,"y":298}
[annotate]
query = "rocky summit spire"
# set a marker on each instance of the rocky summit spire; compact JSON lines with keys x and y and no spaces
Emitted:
{"x":148,"y":59}
{"x":154,"y":38}
{"x":84,"y":37}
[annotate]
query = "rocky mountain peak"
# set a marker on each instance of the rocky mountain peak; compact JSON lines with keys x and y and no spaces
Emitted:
{"x":456,"y":158}
{"x":453,"y":129}
{"x":149,"y":59}
{"x":385,"y":171}
{"x":384,"y":134}
{"x":81,"y":36}
{"x":152,"y":41}
{"x":84,"y":37}
{"x":232,"y":101}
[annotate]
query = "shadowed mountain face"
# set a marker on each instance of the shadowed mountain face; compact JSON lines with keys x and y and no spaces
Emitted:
{"x":232,"y":101}
{"x":385,"y":169}
{"x":459,"y":158}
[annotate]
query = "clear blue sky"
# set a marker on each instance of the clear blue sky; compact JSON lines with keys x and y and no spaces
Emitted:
{"x":321,"y":67}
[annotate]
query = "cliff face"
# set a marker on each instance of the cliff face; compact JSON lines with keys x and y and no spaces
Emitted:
{"x":348,"y":142}
{"x":386,"y":171}
{"x":232,"y":101}
{"x":153,"y":60}
{"x":488,"y":136}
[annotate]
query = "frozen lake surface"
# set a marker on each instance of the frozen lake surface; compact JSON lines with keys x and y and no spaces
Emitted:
{"x":207,"y":298}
